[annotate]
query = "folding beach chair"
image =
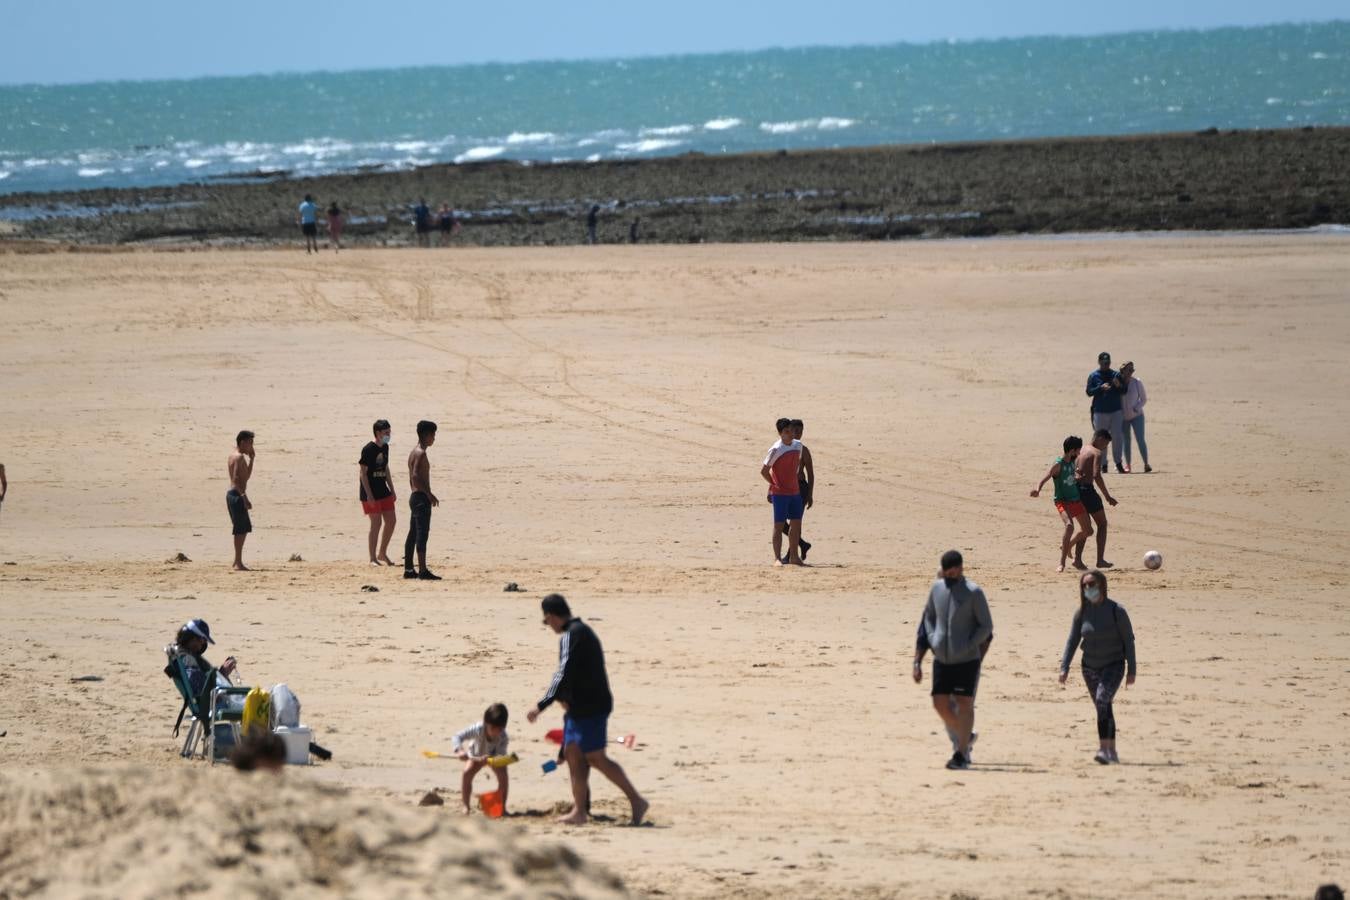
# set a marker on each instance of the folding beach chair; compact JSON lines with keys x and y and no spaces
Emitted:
{"x":218,"y":722}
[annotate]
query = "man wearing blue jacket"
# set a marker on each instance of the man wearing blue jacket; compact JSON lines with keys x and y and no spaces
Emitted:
{"x":582,"y":687}
{"x":1107,"y":393}
{"x":957,"y":627}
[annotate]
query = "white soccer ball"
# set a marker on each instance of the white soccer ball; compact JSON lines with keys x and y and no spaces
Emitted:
{"x":1153,"y":560}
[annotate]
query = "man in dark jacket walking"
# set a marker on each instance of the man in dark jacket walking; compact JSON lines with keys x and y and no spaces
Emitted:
{"x":582,"y":687}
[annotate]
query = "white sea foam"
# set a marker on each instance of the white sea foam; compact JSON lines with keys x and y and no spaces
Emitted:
{"x":161,"y":164}
{"x":34,"y":162}
{"x":721,"y":124}
{"x":1273,"y":101}
{"x":830,"y":123}
{"x":531,"y":137}
{"x":4,"y":175}
{"x":587,"y":142}
{"x":473,"y":154}
{"x":593,"y":158}
{"x":787,"y":127}
{"x":196,"y":163}
{"x":648,"y":146}
{"x":667,"y":131}
{"x":92,"y":173}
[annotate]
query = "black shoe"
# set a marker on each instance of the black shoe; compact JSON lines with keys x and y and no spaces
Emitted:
{"x":1147,"y":467}
{"x":805,"y":547}
{"x":958,"y":761}
{"x":409,"y":573}
{"x":428,"y":575}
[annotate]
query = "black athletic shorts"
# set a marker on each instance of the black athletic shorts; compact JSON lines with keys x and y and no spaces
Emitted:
{"x":239,"y":516}
{"x":961,"y":679}
{"x":1092,"y":501}
{"x":310,"y":228}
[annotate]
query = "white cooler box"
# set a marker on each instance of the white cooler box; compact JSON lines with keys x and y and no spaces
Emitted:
{"x":297,"y":744}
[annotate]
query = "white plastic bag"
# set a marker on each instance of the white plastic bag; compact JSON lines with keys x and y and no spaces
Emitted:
{"x":285,"y":707}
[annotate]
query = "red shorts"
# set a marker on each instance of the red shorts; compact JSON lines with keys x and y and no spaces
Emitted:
{"x":377,"y":507}
{"x":1073,"y":508}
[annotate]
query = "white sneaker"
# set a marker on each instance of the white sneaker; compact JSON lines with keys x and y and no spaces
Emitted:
{"x":1115,"y":757}
{"x":1103,"y":757}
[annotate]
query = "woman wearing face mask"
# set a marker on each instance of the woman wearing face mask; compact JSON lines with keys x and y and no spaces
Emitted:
{"x":378,"y":501}
{"x":1103,"y":627}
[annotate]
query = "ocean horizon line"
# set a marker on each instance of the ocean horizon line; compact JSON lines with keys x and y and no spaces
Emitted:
{"x":680,"y":56}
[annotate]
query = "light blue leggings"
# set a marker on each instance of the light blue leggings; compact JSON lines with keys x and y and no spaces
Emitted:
{"x":1137,"y":426}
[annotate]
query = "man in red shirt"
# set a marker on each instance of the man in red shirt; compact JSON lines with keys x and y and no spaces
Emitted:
{"x":781,"y":469}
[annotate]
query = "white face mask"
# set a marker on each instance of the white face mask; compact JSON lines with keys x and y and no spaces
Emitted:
{"x":1092,"y":593}
{"x":385,"y":440}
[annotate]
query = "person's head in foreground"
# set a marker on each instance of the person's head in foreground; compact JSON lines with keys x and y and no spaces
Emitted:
{"x":556,"y":612}
{"x":952,"y":566}
{"x":382,"y":432}
{"x":784,"y":429}
{"x":1073,"y":445}
{"x":244,"y":441}
{"x":1101,"y":438}
{"x":1092,"y":587}
{"x":1127,"y":370}
{"x":194,"y":636}
{"x":494,"y":720}
{"x":798,"y":428}
{"x":1104,"y":361}
{"x":260,"y":751}
{"x":426,"y":433}
{"x":1329,"y":892}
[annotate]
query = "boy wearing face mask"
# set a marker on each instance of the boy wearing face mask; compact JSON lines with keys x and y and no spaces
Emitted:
{"x":1103,"y":627}
{"x":377,"y":493}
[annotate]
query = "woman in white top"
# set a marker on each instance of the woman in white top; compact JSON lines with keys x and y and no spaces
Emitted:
{"x":1133,"y":403}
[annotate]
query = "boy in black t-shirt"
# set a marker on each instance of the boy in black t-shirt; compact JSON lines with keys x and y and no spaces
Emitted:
{"x":377,"y":492}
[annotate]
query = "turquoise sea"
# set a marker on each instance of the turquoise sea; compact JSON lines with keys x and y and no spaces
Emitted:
{"x":114,"y":134}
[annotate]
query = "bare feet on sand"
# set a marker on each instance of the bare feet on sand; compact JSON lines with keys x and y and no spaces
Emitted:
{"x":386,"y":561}
{"x":1061,"y":568}
{"x":573,"y":819}
{"x":240,"y":567}
{"x":1078,"y":564}
{"x":639,"y":810}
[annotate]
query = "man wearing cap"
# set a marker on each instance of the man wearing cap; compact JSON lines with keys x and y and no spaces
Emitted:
{"x":189,"y":646}
{"x":1107,"y":393}
{"x":957,"y":627}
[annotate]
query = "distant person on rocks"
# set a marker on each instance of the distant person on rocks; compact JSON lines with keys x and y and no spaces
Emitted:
{"x":592,"y":223}
{"x":781,"y":469}
{"x":378,"y":500}
{"x":309,"y":224}
{"x":1133,"y":409}
{"x":1107,"y":393}
{"x":240,"y":468}
{"x":806,"y":484}
{"x":581,"y":685}
{"x":1068,"y":502}
{"x":4,"y":485}
{"x":448,"y":223}
{"x":1103,"y":627}
{"x":335,"y":224}
{"x":1088,"y":470}
{"x":635,"y":230}
{"x":422,"y":222}
{"x":420,"y":502}
{"x":957,"y":627}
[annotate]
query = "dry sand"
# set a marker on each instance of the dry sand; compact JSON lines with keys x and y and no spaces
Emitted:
{"x":603,"y":417}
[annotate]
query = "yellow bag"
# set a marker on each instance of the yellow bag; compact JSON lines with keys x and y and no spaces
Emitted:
{"x":257,"y":712}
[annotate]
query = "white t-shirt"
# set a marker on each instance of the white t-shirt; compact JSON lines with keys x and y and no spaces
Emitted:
{"x":475,"y":742}
{"x":1135,"y":398}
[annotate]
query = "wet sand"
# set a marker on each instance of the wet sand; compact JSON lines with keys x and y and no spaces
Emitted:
{"x":604,"y":415}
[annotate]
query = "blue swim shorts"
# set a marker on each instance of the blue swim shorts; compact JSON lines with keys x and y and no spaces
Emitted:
{"x":590,"y":733}
{"x":787,"y":507}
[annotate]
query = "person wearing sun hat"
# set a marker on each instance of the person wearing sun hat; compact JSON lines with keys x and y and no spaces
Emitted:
{"x":188,"y":646}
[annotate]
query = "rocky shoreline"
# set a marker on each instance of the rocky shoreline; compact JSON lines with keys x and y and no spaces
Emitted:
{"x":1195,"y":181}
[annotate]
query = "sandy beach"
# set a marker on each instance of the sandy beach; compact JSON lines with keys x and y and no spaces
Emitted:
{"x":604,"y":413}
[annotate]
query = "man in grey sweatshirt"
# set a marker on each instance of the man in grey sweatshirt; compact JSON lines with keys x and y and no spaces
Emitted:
{"x":957,"y":627}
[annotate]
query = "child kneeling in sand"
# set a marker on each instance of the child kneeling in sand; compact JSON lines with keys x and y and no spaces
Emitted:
{"x":476,"y":744}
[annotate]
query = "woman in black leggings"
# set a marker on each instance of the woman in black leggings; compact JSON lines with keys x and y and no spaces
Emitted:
{"x":1103,"y":627}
